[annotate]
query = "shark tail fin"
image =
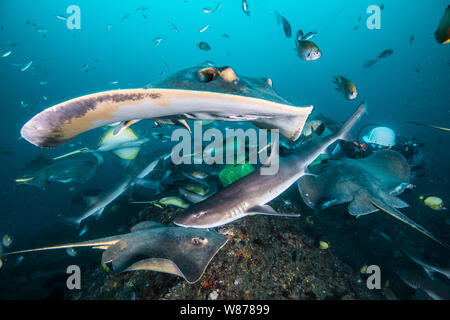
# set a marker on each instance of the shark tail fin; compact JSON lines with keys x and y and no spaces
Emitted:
{"x":71,"y":221}
{"x":344,"y":131}
{"x":400,"y":216}
{"x":82,"y":150}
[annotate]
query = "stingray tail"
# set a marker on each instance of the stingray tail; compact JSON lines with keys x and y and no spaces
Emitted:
{"x":428,"y":125}
{"x":344,"y":131}
{"x":82,"y":150}
{"x":400,"y":216}
{"x":96,"y":244}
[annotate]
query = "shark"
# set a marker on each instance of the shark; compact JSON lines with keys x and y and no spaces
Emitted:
{"x":250,"y":195}
{"x":136,"y":172}
{"x":150,"y":245}
{"x":197,"y":93}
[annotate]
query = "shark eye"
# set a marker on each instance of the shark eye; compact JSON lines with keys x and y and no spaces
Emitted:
{"x":199,"y":214}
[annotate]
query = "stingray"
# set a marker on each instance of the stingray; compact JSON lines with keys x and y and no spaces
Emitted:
{"x":152,"y":246}
{"x":198,"y":93}
{"x":370,"y":184}
{"x":62,"y":171}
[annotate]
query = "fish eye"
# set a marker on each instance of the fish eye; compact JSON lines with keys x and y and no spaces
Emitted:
{"x":207,"y":74}
{"x":197,"y":241}
{"x":199,"y":214}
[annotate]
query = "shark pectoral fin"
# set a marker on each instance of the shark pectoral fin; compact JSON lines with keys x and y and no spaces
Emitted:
{"x":98,"y":213}
{"x":400,"y":216}
{"x":361,"y":206}
{"x":269,"y":211}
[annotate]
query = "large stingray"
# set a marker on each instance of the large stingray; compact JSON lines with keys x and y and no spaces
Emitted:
{"x":369,"y":184}
{"x":195,"y":93}
{"x":152,"y":246}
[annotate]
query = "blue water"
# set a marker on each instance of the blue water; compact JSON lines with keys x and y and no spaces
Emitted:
{"x":256,"y":47}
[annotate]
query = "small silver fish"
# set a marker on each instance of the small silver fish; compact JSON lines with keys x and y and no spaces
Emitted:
{"x":83,"y":231}
{"x":204,"y":28}
{"x":245,"y":7}
{"x":43,"y":83}
{"x":6,"y":54}
{"x":71,"y":252}
{"x":173,"y":26}
{"x":26,"y":66}
{"x":157,"y":41}
{"x":61,"y":17}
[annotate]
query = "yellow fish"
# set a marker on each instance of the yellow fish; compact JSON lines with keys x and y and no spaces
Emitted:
{"x":442,"y":33}
{"x":433,"y":202}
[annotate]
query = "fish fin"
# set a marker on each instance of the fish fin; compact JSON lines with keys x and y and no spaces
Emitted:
{"x":98,"y":213}
{"x":72,"y":221}
{"x":344,"y":131}
{"x":396,"y":202}
{"x":269,"y":211}
{"x":400,"y":216}
{"x":146,"y":225}
{"x":90,"y":200}
{"x":274,"y":151}
{"x":361,"y":206}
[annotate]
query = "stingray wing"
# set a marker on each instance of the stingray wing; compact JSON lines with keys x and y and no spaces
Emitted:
{"x":328,"y":186}
{"x":390,"y":168}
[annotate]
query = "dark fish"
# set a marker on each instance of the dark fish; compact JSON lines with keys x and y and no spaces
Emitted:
{"x":370,"y":63}
{"x":386,"y":53}
{"x":442,"y":33}
{"x":417,"y":70}
{"x":382,"y":6}
{"x":5,"y":153}
{"x":355,"y":27}
{"x":245,"y":7}
{"x":225,"y":35}
{"x":286,"y":24}
{"x":307,"y":50}
{"x":411,"y":39}
{"x":125,"y":16}
{"x":204,"y":46}
{"x":359,"y":19}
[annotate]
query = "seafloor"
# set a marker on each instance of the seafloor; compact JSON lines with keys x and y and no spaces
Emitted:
{"x":265,"y":258}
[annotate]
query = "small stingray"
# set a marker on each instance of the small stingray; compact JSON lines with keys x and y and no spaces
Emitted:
{"x":369,"y":184}
{"x":64,"y":171}
{"x":152,"y":246}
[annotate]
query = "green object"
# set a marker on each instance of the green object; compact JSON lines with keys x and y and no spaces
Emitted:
{"x":319,"y":159}
{"x":232,"y":173}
